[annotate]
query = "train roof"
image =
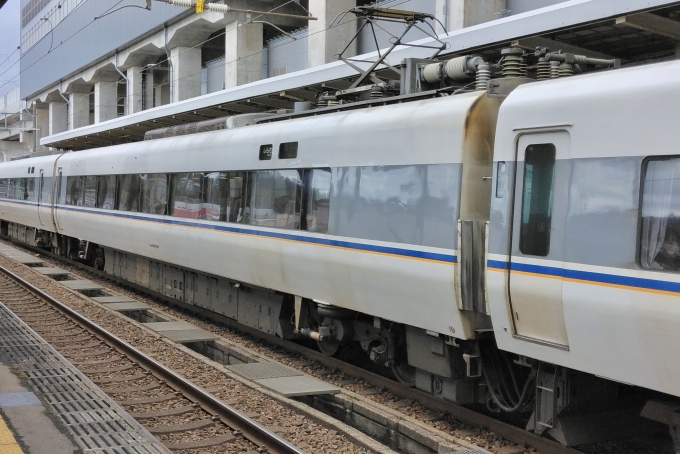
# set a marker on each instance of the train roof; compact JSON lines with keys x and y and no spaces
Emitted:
{"x":420,"y":132}
{"x":622,"y":112}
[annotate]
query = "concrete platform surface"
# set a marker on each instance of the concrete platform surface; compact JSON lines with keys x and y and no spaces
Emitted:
{"x":29,"y":422}
{"x":170,"y":326}
{"x":282,"y":379}
{"x":128,"y":306}
{"x":48,"y":271}
{"x":81,"y":285}
{"x":50,"y":407}
{"x":186,"y":336}
{"x":112,"y":299}
{"x":181,"y":332}
{"x":26,"y":259}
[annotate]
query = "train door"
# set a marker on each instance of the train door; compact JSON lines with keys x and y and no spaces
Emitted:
{"x":537,"y":248}
{"x":41,"y":189}
{"x":56,"y":194}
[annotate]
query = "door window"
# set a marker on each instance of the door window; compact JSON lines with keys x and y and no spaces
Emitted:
{"x":660,"y":239}
{"x":539,"y":176}
{"x":318,"y":199}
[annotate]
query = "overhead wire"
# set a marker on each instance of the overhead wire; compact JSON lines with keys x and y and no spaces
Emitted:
{"x":224,"y":63}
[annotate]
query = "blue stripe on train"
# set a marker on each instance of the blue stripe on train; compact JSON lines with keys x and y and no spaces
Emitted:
{"x":588,"y":276}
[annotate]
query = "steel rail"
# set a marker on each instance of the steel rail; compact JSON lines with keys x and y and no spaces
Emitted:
{"x":511,"y":433}
{"x":250,"y":429}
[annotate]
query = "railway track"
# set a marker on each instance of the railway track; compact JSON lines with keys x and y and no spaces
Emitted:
{"x":335,"y":366}
{"x":168,"y":405}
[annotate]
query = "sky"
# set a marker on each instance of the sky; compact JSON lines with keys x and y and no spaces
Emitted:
{"x":9,"y":41}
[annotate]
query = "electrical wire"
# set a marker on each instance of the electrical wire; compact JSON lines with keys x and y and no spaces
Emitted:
{"x":189,"y":48}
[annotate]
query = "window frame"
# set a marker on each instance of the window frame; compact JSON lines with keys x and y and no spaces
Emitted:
{"x":520,"y":243}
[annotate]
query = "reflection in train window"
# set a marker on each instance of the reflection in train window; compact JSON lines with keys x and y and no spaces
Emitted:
{"x":106,"y":195}
{"x":187,"y":196}
{"x":501,"y":179}
{"x":154,"y":193}
{"x":90,"y":198}
{"x":402,"y":204}
{"x":539,"y":176}
{"x":227,"y":196}
{"x":30,"y":190}
{"x":660,"y":236}
{"x":275,"y":200}
{"x":46,"y":197}
{"x":3,"y":188}
{"x":74,"y":191}
{"x":128,"y":192}
{"x":318,"y":199}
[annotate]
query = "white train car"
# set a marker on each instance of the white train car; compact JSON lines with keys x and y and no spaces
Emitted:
{"x":26,"y":198}
{"x":584,"y":247}
{"x":520,"y":250}
{"x":354,"y":211}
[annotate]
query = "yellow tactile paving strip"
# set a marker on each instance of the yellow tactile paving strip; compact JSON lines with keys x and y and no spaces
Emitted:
{"x":8,"y":445}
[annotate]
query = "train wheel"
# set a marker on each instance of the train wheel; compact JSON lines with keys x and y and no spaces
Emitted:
{"x":329,"y":348}
{"x":405,"y":373}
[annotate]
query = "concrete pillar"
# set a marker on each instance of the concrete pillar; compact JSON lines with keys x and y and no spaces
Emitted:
{"x":28,"y":137}
{"x":42,"y":123}
{"x":242,"y":53}
{"x":325,"y":44}
{"x":466,"y":13}
{"x":135,"y":91}
{"x":105,"y":102}
{"x":58,"y":117}
{"x":149,"y":90}
{"x":79,"y":112}
{"x":186,"y":73}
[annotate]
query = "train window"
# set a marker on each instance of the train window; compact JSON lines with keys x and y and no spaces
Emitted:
{"x":187,"y":199}
{"x":90,"y":192}
{"x":539,"y":175}
{"x":46,"y":195}
{"x":128,"y":192}
{"x":3,"y":188}
{"x":660,"y":236}
{"x":288,"y":150}
{"x":266,"y":152}
{"x":40,"y":188}
{"x":154,"y":193}
{"x":317,"y":197}
{"x":30,"y":190}
{"x":59,"y":183}
{"x":10,"y":189}
{"x":226,"y":195}
{"x":275,"y":200}
{"x":501,"y":179}
{"x":106,"y":192}
{"x":74,"y":191}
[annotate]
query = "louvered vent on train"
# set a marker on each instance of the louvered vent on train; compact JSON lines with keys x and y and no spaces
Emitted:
{"x":236,"y":121}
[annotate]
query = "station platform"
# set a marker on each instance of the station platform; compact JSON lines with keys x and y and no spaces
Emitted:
{"x":49,"y":406}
